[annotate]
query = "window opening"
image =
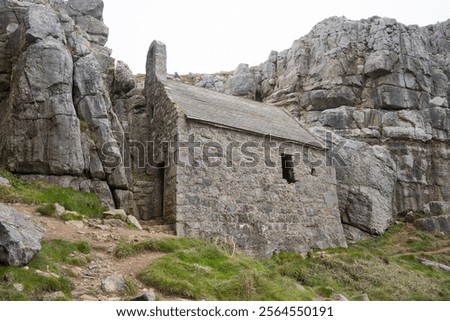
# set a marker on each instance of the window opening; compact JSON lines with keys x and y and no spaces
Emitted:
{"x":287,"y":163}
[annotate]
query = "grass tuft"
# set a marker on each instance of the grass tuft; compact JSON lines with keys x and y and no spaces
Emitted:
{"x":47,"y":209}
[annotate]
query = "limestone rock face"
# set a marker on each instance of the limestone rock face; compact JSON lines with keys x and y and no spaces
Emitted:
{"x":56,"y":115}
{"x":434,"y":218}
{"x":383,"y":83}
{"x":124,"y":79}
{"x":366,"y":179}
{"x":375,"y":63}
{"x":242,"y":83}
{"x":88,"y":15}
{"x":20,"y":239}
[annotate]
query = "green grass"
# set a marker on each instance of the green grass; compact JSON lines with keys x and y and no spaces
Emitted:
{"x":131,"y":288}
{"x":385,"y":268}
{"x":47,"y":209}
{"x":51,"y":258}
{"x":58,"y":251}
{"x":39,"y":192}
{"x":200,"y":270}
{"x":67,"y":216}
{"x":126,"y":249}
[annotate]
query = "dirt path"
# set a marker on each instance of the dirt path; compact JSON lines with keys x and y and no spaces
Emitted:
{"x":438,"y":251}
{"x":103,"y":264}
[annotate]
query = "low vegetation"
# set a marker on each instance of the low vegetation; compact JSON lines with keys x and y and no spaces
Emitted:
{"x":384,"y":268}
{"x":201,"y":270}
{"x":54,"y":260}
{"x":40,"y":192}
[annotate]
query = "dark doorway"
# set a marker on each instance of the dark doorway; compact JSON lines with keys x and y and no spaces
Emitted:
{"x":287,"y":163}
{"x":159,"y":190}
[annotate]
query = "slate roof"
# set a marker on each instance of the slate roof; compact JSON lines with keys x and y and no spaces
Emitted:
{"x":243,"y":114}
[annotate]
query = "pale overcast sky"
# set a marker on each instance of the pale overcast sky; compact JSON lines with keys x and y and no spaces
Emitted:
{"x":207,"y":36}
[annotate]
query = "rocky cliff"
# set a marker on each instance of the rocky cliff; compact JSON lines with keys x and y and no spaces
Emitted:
{"x":382,"y":89}
{"x":56,"y":80}
{"x":375,"y":89}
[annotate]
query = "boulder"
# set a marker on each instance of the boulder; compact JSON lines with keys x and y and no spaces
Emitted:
{"x":55,"y":296}
{"x":20,"y":238}
{"x":434,"y":264}
{"x":242,"y":83}
{"x":124,"y":199}
{"x":78,"y":224}
{"x":112,"y":284}
{"x":59,"y":209}
{"x":42,"y":22}
{"x":115,"y":214}
{"x":365,"y":201}
{"x":366,"y":177}
{"x":133,"y":220}
{"x":147,"y":296}
{"x":123,"y":78}
{"x":4,"y":182}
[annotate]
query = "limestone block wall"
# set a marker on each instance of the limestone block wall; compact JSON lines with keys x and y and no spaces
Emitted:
{"x":249,"y":203}
{"x":163,"y":130}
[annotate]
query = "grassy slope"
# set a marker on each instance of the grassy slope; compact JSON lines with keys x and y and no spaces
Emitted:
{"x":54,"y":256}
{"x":39,"y":192}
{"x":201,"y":270}
{"x":385,"y":268}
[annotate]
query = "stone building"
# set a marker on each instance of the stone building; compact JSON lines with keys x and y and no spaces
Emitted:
{"x":236,"y":169}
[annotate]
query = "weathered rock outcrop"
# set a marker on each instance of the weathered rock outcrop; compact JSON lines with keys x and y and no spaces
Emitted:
{"x":56,"y":116}
{"x":434,"y":217}
{"x":20,"y":239}
{"x":242,"y":83}
{"x":393,"y":81}
{"x":366,"y":181}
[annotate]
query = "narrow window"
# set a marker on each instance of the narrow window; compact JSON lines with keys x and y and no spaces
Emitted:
{"x":159,"y":190}
{"x":152,"y":111}
{"x":287,"y":164}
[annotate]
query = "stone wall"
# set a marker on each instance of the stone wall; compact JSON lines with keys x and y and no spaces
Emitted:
{"x":253,"y":206}
{"x":163,"y":131}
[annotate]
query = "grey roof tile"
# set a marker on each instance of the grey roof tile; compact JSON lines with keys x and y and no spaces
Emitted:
{"x":238,"y":113}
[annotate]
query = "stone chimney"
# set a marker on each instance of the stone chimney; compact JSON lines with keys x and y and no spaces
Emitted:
{"x":157,"y":62}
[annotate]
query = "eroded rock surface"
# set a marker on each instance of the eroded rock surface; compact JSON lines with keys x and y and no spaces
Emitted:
{"x":56,"y":115}
{"x":20,"y":238}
